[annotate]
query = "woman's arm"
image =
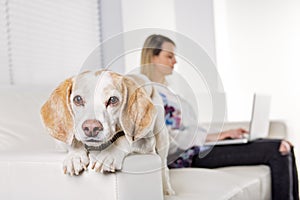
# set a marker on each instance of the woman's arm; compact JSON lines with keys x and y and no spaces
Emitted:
{"x":284,"y":148}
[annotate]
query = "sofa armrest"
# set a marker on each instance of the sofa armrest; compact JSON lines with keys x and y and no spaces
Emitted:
{"x":39,"y":176}
{"x":278,"y":129}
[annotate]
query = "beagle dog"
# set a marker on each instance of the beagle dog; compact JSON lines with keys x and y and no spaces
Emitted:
{"x":103,"y":117}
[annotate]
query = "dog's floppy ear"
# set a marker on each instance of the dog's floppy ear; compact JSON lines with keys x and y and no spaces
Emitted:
{"x":56,"y":113}
{"x":138,"y":113}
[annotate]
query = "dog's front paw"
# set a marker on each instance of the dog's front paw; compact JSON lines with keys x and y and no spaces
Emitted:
{"x":167,"y":188}
{"x":169,"y":191}
{"x":107,"y":160}
{"x":76,"y":162}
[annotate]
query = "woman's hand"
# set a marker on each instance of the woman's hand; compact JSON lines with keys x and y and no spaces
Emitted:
{"x":284,"y":148}
{"x":233,"y":134}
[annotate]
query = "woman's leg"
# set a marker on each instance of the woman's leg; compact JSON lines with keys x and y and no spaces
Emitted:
{"x":264,"y":151}
{"x":295,"y":177}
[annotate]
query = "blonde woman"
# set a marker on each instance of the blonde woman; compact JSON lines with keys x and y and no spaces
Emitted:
{"x":157,"y":62}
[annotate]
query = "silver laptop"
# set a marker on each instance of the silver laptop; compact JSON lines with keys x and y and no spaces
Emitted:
{"x":259,"y":124}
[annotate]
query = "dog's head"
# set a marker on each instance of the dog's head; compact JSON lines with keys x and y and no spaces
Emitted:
{"x":93,"y":106}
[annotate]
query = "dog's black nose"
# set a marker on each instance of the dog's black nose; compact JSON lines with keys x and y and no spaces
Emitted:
{"x":92,"y":127}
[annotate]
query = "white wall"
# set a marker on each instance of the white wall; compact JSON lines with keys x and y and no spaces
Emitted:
{"x":143,"y":14}
{"x":194,"y":18}
{"x":174,"y":16}
{"x":112,"y":25}
{"x":258,"y":45}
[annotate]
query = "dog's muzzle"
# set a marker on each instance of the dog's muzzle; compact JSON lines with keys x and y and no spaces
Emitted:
{"x":92,"y":127}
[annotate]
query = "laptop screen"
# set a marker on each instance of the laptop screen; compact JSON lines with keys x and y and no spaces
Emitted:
{"x":259,"y":126}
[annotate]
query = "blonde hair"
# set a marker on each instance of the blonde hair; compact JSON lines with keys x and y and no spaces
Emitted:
{"x":152,"y":47}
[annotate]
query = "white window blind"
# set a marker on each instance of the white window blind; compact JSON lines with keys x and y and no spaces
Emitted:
{"x":43,"y":42}
{"x":4,"y":70}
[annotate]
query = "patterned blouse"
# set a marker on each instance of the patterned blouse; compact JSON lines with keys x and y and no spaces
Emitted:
{"x":179,"y":119}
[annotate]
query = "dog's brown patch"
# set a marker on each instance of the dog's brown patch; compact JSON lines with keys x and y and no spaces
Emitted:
{"x":138,"y":112}
{"x":56,"y":112}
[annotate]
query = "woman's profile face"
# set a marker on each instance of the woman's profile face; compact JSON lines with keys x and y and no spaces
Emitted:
{"x":165,"y":60}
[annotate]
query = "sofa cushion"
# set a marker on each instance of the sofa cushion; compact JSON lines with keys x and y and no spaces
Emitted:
{"x":199,"y":183}
{"x":261,"y":172}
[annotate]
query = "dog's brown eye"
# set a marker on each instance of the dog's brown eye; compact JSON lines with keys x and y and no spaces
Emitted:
{"x":112,"y":101}
{"x":78,"y":101}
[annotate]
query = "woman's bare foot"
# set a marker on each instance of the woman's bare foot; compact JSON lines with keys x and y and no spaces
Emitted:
{"x":285,"y":147}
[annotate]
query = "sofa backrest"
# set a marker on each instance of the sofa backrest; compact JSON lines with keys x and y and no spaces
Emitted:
{"x":21,"y":128}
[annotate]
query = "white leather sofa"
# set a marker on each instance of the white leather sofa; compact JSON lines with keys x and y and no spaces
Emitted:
{"x":31,"y":165}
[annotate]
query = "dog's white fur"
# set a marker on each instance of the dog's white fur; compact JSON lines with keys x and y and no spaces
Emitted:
{"x":138,"y":112}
